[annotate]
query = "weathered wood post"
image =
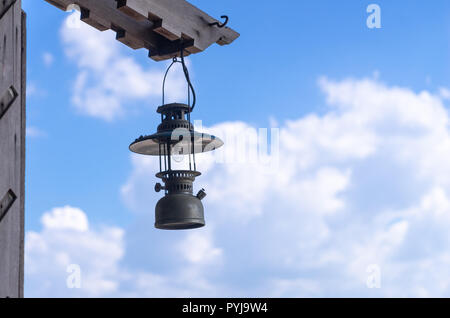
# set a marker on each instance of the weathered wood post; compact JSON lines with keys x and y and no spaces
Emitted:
{"x":12,"y":146}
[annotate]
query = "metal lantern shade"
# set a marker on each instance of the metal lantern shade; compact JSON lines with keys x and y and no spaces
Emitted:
{"x":173,"y":121}
{"x":179,"y":209}
{"x":149,"y":145}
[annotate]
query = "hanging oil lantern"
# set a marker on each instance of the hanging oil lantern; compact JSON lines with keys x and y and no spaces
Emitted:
{"x":179,"y":209}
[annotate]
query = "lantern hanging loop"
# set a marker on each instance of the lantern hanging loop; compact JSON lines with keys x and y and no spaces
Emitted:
{"x":187,"y":77}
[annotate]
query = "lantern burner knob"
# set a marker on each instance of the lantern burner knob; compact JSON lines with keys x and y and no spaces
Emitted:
{"x":159,"y":187}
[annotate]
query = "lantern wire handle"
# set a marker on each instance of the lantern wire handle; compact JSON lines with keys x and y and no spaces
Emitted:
{"x":188,"y":78}
{"x":190,"y":107}
{"x":174,"y":60}
{"x":186,"y":75}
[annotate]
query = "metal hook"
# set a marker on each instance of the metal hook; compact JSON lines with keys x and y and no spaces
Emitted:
{"x":221,"y":25}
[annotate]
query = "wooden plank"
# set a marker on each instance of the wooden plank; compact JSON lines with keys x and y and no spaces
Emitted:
{"x":143,"y":9}
{"x":136,"y":11}
{"x":157,"y":25}
{"x":59,"y":4}
{"x":187,"y":19}
{"x":12,"y":150}
{"x":175,"y":19}
{"x":23,"y":126}
{"x":129,"y":40}
{"x":94,"y":21}
{"x":106,"y":14}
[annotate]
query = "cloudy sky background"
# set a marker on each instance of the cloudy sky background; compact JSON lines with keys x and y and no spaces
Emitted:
{"x":361,"y":176}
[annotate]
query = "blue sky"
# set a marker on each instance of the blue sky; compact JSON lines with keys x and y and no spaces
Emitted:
{"x":364,"y":148}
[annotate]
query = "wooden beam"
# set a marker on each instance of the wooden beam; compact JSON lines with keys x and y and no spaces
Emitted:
{"x":157,"y":25}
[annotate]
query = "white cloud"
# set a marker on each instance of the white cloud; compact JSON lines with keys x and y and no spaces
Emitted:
{"x":444,"y":93}
{"x":31,"y":88}
{"x":48,"y":59}
{"x":366,"y":183}
{"x":66,"y":239}
{"x":198,"y":249}
{"x":108,"y":79}
{"x":353,"y":187}
{"x":295,"y":288}
{"x":34,"y":91}
{"x":65,"y":218}
{"x":35,"y":132}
